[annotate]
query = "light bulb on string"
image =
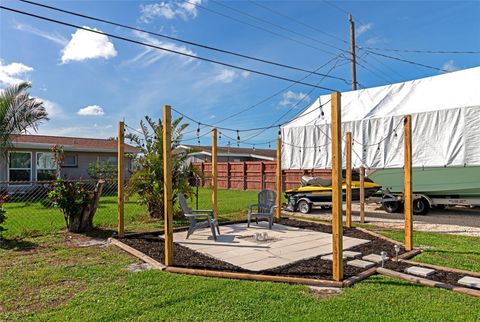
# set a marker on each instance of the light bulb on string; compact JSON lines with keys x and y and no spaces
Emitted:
{"x":253,"y":147}
{"x":238,"y":138}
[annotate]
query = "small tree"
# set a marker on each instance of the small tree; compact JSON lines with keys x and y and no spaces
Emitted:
{"x":147,"y":182}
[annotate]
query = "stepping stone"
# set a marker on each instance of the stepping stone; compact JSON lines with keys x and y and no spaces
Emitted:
{"x":346,"y":254}
{"x":420,"y":271}
{"x":374,"y":258}
{"x":470,"y":281}
{"x":360,"y":263}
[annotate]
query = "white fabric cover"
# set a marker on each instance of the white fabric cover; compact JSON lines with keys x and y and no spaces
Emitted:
{"x":445,"y":113}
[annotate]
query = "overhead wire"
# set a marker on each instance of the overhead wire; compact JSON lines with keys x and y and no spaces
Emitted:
{"x":163,"y":48}
{"x":229,"y":52}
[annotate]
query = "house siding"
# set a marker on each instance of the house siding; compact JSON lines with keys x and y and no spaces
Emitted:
{"x":78,"y":172}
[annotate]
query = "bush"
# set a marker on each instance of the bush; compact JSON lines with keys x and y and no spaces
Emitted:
{"x":102,"y":170}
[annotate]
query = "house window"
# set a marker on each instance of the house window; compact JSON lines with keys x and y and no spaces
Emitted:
{"x":20,"y":166}
{"x":108,"y":160}
{"x":70,"y":160}
{"x":46,"y":168}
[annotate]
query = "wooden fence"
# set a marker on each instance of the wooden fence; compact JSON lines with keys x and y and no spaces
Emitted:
{"x":255,"y":175}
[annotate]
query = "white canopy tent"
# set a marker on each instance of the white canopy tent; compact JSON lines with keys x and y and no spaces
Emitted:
{"x":445,"y":113}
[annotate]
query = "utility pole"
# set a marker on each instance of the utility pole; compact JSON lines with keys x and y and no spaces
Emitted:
{"x":352,"y":51}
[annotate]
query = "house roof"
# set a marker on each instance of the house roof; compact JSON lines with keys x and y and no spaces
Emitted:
{"x":264,"y":154}
{"x":69,"y":143}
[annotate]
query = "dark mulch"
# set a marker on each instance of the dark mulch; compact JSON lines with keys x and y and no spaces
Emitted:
{"x":153,"y":246}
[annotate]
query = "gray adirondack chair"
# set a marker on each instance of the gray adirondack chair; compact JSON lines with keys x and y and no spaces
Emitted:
{"x":264,"y":208}
{"x":192,"y":216}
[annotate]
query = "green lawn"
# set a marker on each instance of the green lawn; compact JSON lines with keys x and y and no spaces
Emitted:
{"x":33,"y":219}
{"x":49,"y":279}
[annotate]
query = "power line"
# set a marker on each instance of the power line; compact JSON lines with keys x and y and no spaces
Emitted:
{"x":164,"y":49}
{"x":261,"y":5}
{"x":179,"y":40}
{"x":258,"y":27}
{"x":277,"y":25}
{"x":421,"y":51}
{"x":409,"y":61}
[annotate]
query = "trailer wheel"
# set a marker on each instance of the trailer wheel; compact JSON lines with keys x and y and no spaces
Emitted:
{"x":393,"y":206}
{"x":420,"y":206}
{"x":304,"y":206}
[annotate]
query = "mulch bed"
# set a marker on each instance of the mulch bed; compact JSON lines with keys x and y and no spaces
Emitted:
{"x":153,"y":246}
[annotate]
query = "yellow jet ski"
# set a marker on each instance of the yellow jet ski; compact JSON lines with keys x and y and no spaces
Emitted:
{"x":318,"y":192}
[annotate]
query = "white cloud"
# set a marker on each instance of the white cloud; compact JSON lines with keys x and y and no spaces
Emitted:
{"x":364,"y":28}
{"x":291,"y":98}
{"x":53,"y":37}
{"x":87,"y":45}
{"x":10,"y":74}
{"x":149,"y":55}
{"x":450,"y":66}
{"x":92,"y":110}
{"x":225,"y":76}
{"x":373,"y":40}
{"x":169,"y":10}
{"x":53,"y":109}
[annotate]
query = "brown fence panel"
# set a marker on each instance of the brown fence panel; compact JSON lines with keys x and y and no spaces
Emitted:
{"x":255,"y":175}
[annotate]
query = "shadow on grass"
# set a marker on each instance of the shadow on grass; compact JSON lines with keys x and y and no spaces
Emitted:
{"x":99,"y":232}
{"x":16,"y":244}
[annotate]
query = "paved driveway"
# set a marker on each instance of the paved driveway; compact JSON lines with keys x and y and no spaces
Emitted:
{"x":455,"y":220}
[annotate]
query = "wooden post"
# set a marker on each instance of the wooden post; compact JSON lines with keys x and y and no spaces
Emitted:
{"x":407,"y":181}
{"x":121,"y":179}
{"x":214,"y":173}
{"x":167,"y":185}
{"x":348,"y":221}
{"x":278,"y":212}
{"x":362,"y":194}
{"x":337,"y":217}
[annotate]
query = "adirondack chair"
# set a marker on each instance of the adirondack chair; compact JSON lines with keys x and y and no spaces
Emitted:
{"x":264,"y":208}
{"x":192,"y":216}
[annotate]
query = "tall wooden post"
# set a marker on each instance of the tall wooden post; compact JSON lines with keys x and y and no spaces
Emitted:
{"x":214,"y":173}
{"x":362,"y":194}
{"x":352,"y":51}
{"x":121,"y":178}
{"x":278,"y":212}
{"x":337,"y":216}
{"x":167,"y":185}
{"x":407,"y":181}
{"x":348,"y":221}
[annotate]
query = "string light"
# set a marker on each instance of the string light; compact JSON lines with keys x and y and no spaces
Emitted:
{"x":254,"y":147}
{"x":238,"y":138}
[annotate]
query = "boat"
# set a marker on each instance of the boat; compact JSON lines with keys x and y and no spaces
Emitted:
{"x":432,"y":187}
{"x":318,"y":192}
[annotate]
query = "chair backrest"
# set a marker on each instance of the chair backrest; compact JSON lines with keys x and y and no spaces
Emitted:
{"x":266,"y":200}
{"x":183,"y":204}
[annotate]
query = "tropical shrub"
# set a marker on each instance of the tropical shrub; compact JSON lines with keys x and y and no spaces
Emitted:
{"x":147,"y":182}
{"x":76,"y":203}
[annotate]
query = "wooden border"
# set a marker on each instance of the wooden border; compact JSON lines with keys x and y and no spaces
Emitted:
{"x":137,"y":253}
{"x":360,"y":277}
{"x":426,"y":282}
{"x":254,"y":277}
{"x":379,"y":236}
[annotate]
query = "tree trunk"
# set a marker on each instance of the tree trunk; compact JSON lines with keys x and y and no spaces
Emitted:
{"x":84,"y":222}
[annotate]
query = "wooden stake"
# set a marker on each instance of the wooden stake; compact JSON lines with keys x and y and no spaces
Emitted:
{"x":337,"y":217}
{"x":278,"y":212}
{"x":362,"y":194}
{"x":214,"y":174}
{"x":407,"y":181}
{"x":167,"y":185}
{"x":348,"y":221}
{"x":121,"y":179}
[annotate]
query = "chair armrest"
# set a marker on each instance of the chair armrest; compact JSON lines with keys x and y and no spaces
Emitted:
{"x":203,"y":211}
{"x":250,"y":207}
{"x":272,"y":209}
{"x":198,"y":215}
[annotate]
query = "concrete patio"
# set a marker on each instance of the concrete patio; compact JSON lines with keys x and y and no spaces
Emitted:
{"x":237,"y":244}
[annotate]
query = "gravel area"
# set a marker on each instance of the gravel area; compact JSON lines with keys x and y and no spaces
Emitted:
{"x":455,"y":220}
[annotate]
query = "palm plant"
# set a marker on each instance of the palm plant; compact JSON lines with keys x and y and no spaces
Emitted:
{"x":18,"y":112}
{"x":147,"y":182}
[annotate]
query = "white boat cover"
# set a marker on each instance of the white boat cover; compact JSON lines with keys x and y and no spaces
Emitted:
{"x":445,"y":113}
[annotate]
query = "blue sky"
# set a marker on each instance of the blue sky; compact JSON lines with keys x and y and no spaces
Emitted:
{"x":91,"y":82}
